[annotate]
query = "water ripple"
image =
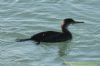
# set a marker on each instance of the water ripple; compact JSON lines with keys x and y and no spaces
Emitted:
{"x":23,"y":18}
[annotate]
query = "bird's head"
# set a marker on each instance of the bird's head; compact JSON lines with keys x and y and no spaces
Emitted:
{"x":69,"y":21}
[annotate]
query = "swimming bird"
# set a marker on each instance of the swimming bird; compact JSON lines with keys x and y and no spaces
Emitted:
{"x":53,"y":36}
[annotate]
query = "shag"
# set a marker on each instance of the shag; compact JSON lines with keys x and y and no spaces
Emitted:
{"x":53,"y":36}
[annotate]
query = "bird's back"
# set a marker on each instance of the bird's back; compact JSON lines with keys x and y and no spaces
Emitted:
{"x":50,"y":36}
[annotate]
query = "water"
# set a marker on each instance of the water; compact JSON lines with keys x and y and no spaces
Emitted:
{"x":24,"y":18}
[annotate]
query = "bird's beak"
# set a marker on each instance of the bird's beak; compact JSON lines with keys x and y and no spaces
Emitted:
{"x":77,"y":22}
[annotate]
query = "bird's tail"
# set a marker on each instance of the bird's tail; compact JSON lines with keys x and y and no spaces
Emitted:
{"x":21,"y":40}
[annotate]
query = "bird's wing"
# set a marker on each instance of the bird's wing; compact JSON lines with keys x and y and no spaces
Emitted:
{"x":50,"y":36}
{"x":47,"y":36}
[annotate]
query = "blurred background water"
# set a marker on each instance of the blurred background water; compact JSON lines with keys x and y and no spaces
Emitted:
{"x":24,"y":18}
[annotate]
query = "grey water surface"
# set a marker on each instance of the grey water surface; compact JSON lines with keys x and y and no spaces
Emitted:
{"x":24,"y":18}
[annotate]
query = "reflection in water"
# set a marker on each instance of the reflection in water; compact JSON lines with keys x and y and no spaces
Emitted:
{"x":63,"y":48}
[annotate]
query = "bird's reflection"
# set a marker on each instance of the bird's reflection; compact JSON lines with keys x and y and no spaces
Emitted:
{"x":64,"y":48}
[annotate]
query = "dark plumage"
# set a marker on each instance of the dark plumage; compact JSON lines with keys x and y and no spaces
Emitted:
{"x":52,"y":36}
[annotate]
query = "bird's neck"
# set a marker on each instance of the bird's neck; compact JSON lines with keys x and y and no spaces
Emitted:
{"x":66,"y":32}
{"x":65,"y":28}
